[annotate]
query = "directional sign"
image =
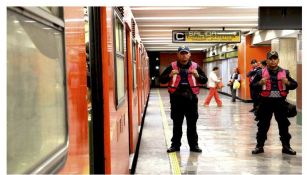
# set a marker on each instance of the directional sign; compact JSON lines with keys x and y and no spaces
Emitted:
{"x":206,"y":36}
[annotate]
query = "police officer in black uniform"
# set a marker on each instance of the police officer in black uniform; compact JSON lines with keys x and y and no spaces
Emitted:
{"x":275,"y":84}
{"x":183,"y":98}
{"x":253,"y":91}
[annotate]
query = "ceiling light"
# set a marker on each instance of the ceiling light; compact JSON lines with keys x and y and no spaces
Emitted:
{"x":200,"y":17}
{"x":196,"y":25}
{"x":157,"y":38}
{"x":157,"y":41}
{"x":156,"y":30}
{"x":166,"y":8}
{"x":243,"y":7}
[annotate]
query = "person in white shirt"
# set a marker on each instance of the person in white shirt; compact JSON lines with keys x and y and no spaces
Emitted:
{"x":212,"y":85}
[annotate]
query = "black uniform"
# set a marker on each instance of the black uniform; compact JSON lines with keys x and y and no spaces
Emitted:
{"x":184,"y":103}
{"x":276,"y":104}
{"x":254,"y":91}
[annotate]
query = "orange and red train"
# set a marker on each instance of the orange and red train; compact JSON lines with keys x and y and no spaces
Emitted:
{"x":49,"y":129}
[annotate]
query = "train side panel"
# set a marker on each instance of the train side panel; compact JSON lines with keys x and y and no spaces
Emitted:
{"x":132,"y":81}
{"x":140,"y":80}
{"x":78,"y":153}
{"x":119,"y":143}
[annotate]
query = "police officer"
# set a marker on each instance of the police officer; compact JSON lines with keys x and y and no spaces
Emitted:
{"x":275,"y":83}
{"x":183,"y":77}
{"x":253,"y":91}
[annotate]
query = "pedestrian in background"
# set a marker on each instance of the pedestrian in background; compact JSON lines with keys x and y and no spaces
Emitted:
{"x":263,"y":64}
{"x":235,"y":76}
{"x":212,"y":85}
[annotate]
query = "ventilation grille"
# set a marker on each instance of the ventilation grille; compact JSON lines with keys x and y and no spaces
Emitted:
{"x":133,"y":28}
{"x":120,"y":10}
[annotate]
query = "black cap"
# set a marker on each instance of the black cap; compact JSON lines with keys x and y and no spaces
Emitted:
{"x":272,"y":54}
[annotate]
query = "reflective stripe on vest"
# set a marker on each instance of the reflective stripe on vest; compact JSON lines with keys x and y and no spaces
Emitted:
{"x":266,"y":89}
{"x":174,"y":82}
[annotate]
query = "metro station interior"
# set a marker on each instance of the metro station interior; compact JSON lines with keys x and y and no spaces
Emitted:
{"x":87,"y":98}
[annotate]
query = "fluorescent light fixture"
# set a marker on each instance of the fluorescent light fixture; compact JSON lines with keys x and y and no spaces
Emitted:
{"x":166,"y":8}
{"x":196,"y":25}
{"x":176,"y":46}
{"x":200,"y":18}
{"x":157,"y":41}
{"x":243,"y":7}
{"x":157,"y":38}
{"x":156,"y":30}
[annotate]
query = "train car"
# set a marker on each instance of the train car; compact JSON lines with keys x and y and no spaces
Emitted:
{"x":49,"y":129}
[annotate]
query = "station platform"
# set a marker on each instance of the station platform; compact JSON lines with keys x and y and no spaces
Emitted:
{"x":226,"y":135}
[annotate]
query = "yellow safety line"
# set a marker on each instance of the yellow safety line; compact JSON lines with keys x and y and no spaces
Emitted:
{"x":172,"y":156}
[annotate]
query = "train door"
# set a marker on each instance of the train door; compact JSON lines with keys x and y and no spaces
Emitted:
{"x":139,"y":81}
{"x":132,"y":96}
{"x":97,"y":164}
{"x":135,"y":101}
{"x":142,"y":80}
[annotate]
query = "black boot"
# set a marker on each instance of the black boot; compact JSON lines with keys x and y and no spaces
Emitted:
{"x":173,"y":149}
{"x":259,"y":147}
{"x":196,"y":149}
{"x":288,"y":150}
{"x":258,"y":150}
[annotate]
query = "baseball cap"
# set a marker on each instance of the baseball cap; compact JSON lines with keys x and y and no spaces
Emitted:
{"x":183,"y":49}
{"x":272,"y":54}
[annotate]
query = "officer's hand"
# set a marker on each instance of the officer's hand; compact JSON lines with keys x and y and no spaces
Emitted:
{"x":262,"y":81}
{"x":285,"y":81}
{"x":173,"y":73}
{"x":195,"y":73}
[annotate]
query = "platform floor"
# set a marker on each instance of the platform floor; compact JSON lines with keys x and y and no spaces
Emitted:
{"x":226,"y":135}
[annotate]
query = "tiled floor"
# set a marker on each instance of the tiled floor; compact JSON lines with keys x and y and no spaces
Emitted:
{"x":226,"y":135}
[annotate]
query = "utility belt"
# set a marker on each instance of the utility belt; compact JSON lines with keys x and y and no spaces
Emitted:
{"x":185,"y":91}
{"x":271,"y":100}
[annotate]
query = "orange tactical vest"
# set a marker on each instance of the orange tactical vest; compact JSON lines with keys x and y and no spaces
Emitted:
{"x":174,"y":82}
{"x":266,"y":89}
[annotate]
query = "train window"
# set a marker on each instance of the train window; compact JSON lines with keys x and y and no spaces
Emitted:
{"x":119,"y":59}
{"x":134,"y":64}
{"x":56,"y":11}
{"x":36,"y":106}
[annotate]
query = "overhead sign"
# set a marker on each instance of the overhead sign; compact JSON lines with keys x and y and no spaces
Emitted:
{"x":206,"y":36}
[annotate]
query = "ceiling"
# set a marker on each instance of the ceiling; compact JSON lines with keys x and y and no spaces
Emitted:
{"x":156,"y":23}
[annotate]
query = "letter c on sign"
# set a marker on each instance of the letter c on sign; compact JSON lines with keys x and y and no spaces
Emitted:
{"x":179,"y":36}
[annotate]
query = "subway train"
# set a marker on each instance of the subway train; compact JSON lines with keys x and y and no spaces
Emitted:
{"x":49,"y":126}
